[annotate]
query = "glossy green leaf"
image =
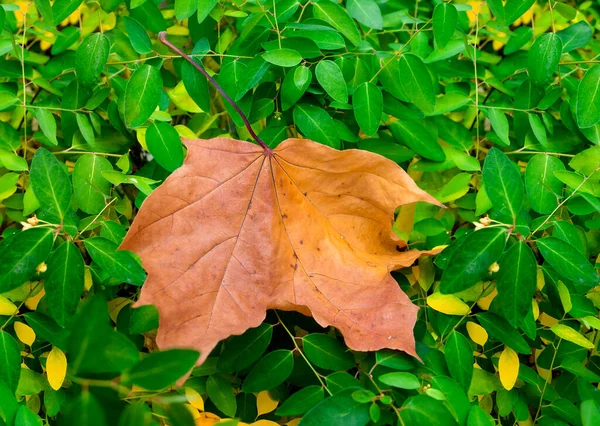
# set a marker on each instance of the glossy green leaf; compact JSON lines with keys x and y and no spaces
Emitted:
{"x":416,"y":82}
{"x":242,"y":351}
{"x":283,"y":57}
{"x":294,"y":86}
{"x":587,"y":102}
{"x":543,"y":59}
{"x":61,"y":9}
{"x":445,"y":18}
{"x":400,"y":380}
{"x":568,"y":262}
{"x":543,"y":188}
{"x":419,"y":138}
{"x":301,"y":401}
{"x":270,"y":371}
{"x":51,"y":184}
{"x":503,"y":184}
{"x":330,"y":77}
{"x":13,"y":162}
{"x":368,"y":107}
{"x":424,"y":410}
{"x":459,"y":357}
{"x":90,"y":187}
{"x":47,"y":123}
{"x":338,"y":410}
{"x":142,"y":95}
{"x":499,"y":123}
{"x":143,"y":319}
{"x":138,"y":37}
{"x":590,"y":412}
{"x":10,"y":358}
{"x":516,"y":282}
{"x":500,"y":329}
{"x":366,"y":12}
{"x":185,"y":8}
{"x":338,"y":18}
{"x":514,"y":9}
{"x":478,"y":417}
{"x":165,"y":145}
{"x":204,"y":8}
{"x":469,"y":265}
{"x":92,"y":55}
{"x":121,"y":264}
{"x":221,"y":394}
{"x":575,"y":36}
{"x":64,"y":282}
{"x":162,"y":369}
{"x":316,"y":124}
{"x":327,"y":352}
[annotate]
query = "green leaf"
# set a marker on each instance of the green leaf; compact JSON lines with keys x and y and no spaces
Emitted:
{"x":301,"y":401}
{"x":85,"y":127}
{"x":470,"y":264}
{"x":47,"y":329}
{"x":51,"y":184}
{"x":338,"y":410}
{"x":575,"y":36}
{"x":47,"y":123}
{"x":143,"y":319}
{"x":121,"y":264}
{"x":394,"y":359}
{"x":388,"y":149}
{"x":366,"y":12}
{"x":138,"y":37}
{"x":10,"y":359}
{"x":543,"y":59}
{"x":165,"y":145}
{"x":445,"y":18}
{"x":478,"y":417}
{"x":204,"y":8}
{"x":400,"y":380}
{"x":327,"y":352}
{"x":142,"y":95}
{"x":90,"y":187}
{"x":368,"y":107}
{"x":22,"y":255}
{"x":568,"y":262}
{"x":185,"y":8}
{"x":459,"y":357}
{"x":13,"y":162}
{"x":92,"y":55}
{"x":590,"y":412}
{"x":543,"y":188}
{"x":424,"y":410}
{"x":316,"y":124}
{"x":418,"y":137}
{"x":162,"y":369}
{"x":501,"y":330}
{"x":221,"y":394}
{"x":294,"y":86}
{"x":136,"y":414}
{"x":538,"y":129}
{"x":84,"y":409}
{"x":195,"y":83}
{"x":330,"y":77}
{"x":61,"y":9}
{"x":242,"y":351}
{"x":283,"y":57}
{"x":514,"y":9}
{"x":270,"y":371}
{"x":337,"y":17}
{"x":587,"y":102}
{"x":572,"y":335}
{"x":499,"y":124}
{"x":26,"y":417}
{"x":416,"y":82}
{"x":503,"y":184}
{"x":64,"y":282}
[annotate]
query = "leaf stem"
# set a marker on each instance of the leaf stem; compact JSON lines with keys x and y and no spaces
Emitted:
{"x":162,"y":36}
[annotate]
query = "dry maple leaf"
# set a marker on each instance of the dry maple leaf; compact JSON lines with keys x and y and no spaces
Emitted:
{"x":238,"y":230}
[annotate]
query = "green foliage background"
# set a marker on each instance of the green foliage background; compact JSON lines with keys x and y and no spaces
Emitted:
{"x":493,"y":107}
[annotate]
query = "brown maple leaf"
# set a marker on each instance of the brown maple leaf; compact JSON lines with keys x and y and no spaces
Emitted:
{"x":238,"y":230}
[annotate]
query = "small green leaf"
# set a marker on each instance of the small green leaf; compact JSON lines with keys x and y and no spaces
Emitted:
{"x":142,"y":95}
{"x":10,"y":359}
{"x":587,"y":102}
{"x":543,"y":59}
{"x":242,"y":351}
{"x":499,"y":123}
{"x":92,"y":55}
{"x":220,"y":392}
{"x":445,"y":18}
{"x":568,"y":262}
{"x":337,"y":17}
{"x":316,"y":124}
{"x":185,"y":8}
{"x":204,"y":9}
{"x":11,"y":161}
{"x":501,"y":330}
{"x":418,"y":137}
{"x":424,"y":410}
{"x":283,"y":57}
{"x":575,"y":36}
{"x":294,"y":86}
{"x":61,"y":9}
{"x":330,"y":77}
{"x":26,"y":417}
{"x":538,"y":129}
{"x":503,"y":184}
{"x":514,"y":9}
{"x":90,"y":187}
{"x":327,"y":352}
{"x":165,"y":145}
{"x":143,"y":319}
{"x":301,"y":401}
{"x":64,"y":282}
{"x":338,"y":410}
{"x":543,"y":188}
{"x":51,"y":184}
{"x":459,"y":357}
{"x":416,"y":82}
{"x":368,"y":107}
{"x":138,"y":37}
{"x":161,"y":369}
{"x":366,"y":12}
{"x":121,"y":264}
{"x":470,"y":264}
{"x":47,"y":123}
{"x":400,"y":380}
{"x":270,"y":371}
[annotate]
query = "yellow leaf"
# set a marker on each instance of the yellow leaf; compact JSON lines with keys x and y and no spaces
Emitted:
{"x":547,"y":320}
{"x":185,"y":132}
{"x":7,"y":307}
{"x":33,"y":301}
{"x":508,"y":368}
{"x":24,"y":333}
{"x":573,"y":336}
{"x":485,"y":302}
{"x":56,"y":368}
{"x":294,"y":422}
{"x":536,"y":309}
{"x":264,"y":403}
{"x":540,"y":280}
{"x":264,"y":423}
{"x":87,"y":279}
{"x":448,"y":304}
{"x":115,"y":306}
{"x":477,"y":333}
{"x":182,"y":99}
{"x":140,"y":134}
{"x":194,"y":398}
{"x":565,"y":296}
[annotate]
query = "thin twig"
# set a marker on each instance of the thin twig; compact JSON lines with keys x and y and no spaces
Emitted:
{"x":162,"y":36}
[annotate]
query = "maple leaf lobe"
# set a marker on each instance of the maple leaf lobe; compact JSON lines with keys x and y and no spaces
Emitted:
{"x":236,"y":231}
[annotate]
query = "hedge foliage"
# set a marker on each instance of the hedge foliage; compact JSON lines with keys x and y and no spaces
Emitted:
{"x":491,"y":106}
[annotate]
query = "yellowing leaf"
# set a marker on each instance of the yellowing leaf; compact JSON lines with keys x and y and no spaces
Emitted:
{"x":565,"y":296}
{"x":33,"y":301}
{"x":56,"y":368}
{"x":115,"y":306}
{"x":7,"y":307}
{"x":547,"y":320}
{"x":194,"y":398}
{"x":484,"y":302}
{"x":182,"y":99}
{"x":536,"y":309}
{"x":573,"y":336}
{"x":264,"y":423}
{"x":541,"y":281}
{"x":87,"y":279}
{"x":24,"y":333}
{"x":477,"y":333}
{"x":448,"y":304}
{"x":264,"y":403}
{"x":508,"y":368}
{"x":591,"y":322}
